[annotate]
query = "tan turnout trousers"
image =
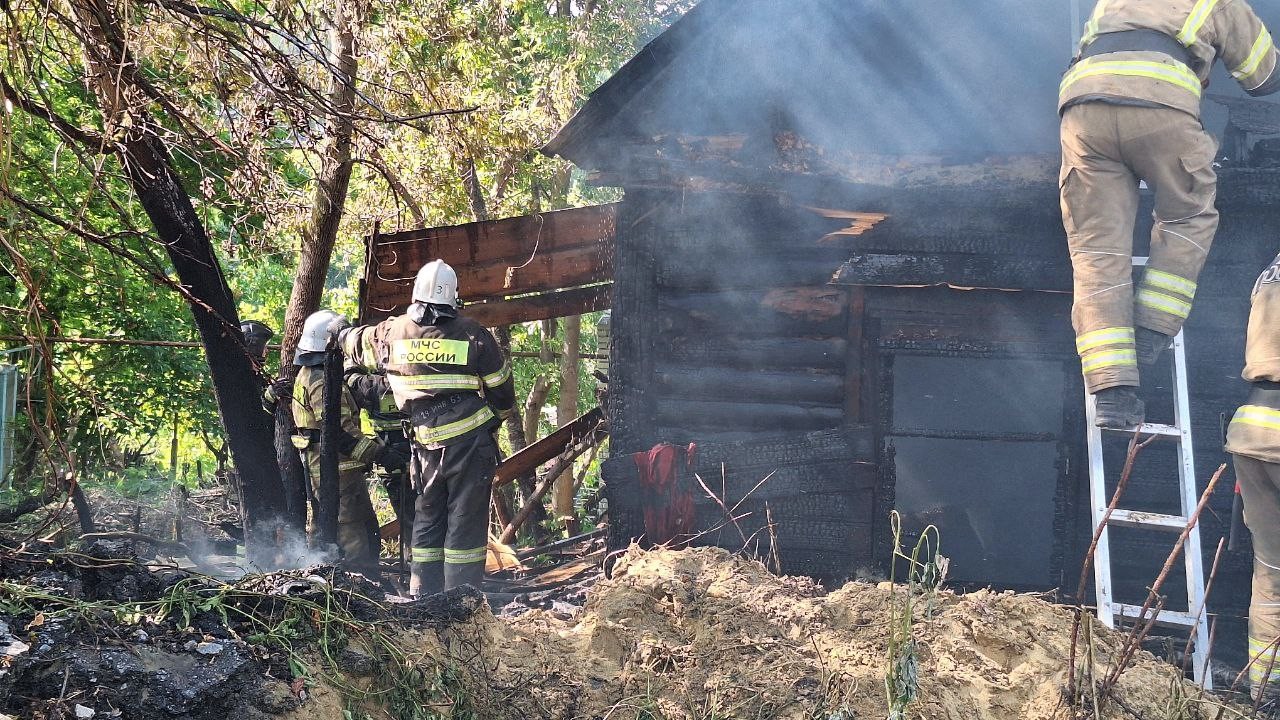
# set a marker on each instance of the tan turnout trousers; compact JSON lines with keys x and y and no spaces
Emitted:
{"x":1254,"y":442}
{"x":1106,"y":149}
{"x":1260,"y":487}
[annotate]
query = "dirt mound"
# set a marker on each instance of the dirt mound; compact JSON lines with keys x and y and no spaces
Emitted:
{"x":673,"y":635}
{"x":702,"y":634}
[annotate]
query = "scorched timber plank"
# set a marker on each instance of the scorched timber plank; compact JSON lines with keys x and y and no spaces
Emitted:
{"x":553,"y":270}
{"x":561,"y":303}
{"x":768,"y":416}
{"x":745,"y":270}
{"x":784,"y":311}
{"x":749,"y":385}
{"x":510,"y":240}
{"x":528,"y":459}
{"x":759,"y":353}
{"x":957,"y":270}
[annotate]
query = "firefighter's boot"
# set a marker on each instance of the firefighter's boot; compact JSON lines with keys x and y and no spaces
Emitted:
{"x":1118,"y":408}
{"x":1150,"y":345}
{"x":427,"y":578}
{"x":459,"y":574}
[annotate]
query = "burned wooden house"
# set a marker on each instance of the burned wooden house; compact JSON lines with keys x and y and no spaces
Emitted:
{"x":840,"y":271}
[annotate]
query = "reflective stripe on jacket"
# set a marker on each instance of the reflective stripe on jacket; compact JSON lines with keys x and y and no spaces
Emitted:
{"x":1208,"y":29}
{"x":1255,"y":429}
{"x":449,"y":378}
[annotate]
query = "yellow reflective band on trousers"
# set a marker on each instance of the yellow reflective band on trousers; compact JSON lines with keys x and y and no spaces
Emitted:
{"x":425,"y":555}
{"x":1161,"y":280}
{"x":1106,"y":336}
{"x":462,"y":557}
{"x":364,"y":449}
{"x":1261,"y":47}
{"x":1262,"y":657}
{"x":1257,"y":416}
{"x":1196,"y":20}
{"x":1164,"y":303}
{"x":441,"y":433}
{"x":1179,"y":74}
{"x":495,"y":379}
{"x":313,"y":465}
{"x":1111,"y":358}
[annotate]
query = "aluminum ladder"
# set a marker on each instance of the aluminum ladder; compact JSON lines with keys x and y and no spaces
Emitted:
{"x":1108,"y":609}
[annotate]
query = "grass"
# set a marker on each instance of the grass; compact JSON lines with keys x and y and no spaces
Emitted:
{"x":309,"y":633}
{"x":926,"y":569}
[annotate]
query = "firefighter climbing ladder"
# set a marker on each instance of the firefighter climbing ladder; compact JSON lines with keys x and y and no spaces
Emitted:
{"x":1195,"y":619}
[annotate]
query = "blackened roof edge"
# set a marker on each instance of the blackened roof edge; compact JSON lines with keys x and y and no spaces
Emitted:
{"x":608,"y":101}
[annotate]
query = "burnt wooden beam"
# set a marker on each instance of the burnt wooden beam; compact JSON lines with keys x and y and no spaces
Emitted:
{"x":549,"y":447}
{"x":853,"y":359}
{"x":783,"y":310}
{"x":494,"y":259}
{"x":508,"y":239}
{"x":773,"y":416}
{"x":745,"y":269}
{"x":759,"y":352}
{"x":957,"y":270}
{"x":543,"y":271}
{"x":543,"y":306}
{"x":748,"y":385}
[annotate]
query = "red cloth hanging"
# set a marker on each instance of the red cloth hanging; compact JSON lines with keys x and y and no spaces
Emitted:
{"x":666,"y":487}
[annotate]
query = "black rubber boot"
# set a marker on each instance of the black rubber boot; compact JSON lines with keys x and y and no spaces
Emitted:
{"x":1150,"y":344}
{"x":1118,"y":408}
{"x":459,"y":574}
{"x":426,"y":579}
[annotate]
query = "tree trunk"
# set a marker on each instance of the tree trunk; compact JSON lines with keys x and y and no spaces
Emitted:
{"x":321,"y":232}
{"x":566,"y":411}
{"x":111,"y":72}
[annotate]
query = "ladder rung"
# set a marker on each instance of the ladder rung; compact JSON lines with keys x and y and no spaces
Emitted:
{"x":1151,"y":429}
{"x":1168,"y":618}
{"x":1139,"y":519}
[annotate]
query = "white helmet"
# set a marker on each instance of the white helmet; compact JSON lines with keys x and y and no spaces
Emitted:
{"x":317,"y":330}
{"x":437,"y":284}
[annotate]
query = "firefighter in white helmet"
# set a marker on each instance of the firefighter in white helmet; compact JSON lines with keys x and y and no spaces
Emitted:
{"x":449,"y":376}
{"x":357,"y":524}
{"x":1130,"y":106}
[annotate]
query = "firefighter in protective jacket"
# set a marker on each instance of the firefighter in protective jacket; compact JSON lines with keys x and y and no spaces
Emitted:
{"x":357,"y":524}
{"x":1254,"y":442}
{"x":1130,"y":107}
{"x":450,"y":377}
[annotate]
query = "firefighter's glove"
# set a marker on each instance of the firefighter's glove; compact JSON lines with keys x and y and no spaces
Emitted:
{"x":365,"y":450}
{"x":278,"y":390}
{"x":392,"y":458}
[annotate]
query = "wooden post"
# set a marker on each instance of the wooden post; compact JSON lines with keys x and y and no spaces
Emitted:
{"x":173,"y":453}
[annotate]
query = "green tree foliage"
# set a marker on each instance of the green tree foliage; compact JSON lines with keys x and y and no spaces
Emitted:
{"x":239,"y":87}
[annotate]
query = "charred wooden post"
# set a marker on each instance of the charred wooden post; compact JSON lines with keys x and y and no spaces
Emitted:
{"x":330,"y":429}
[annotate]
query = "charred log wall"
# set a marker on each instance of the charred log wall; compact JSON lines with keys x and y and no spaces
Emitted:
{"x":726,"y":334}
{"x":726,"y":330}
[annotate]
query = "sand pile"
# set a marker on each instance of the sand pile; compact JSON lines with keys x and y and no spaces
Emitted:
{"x":700,"y":634}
